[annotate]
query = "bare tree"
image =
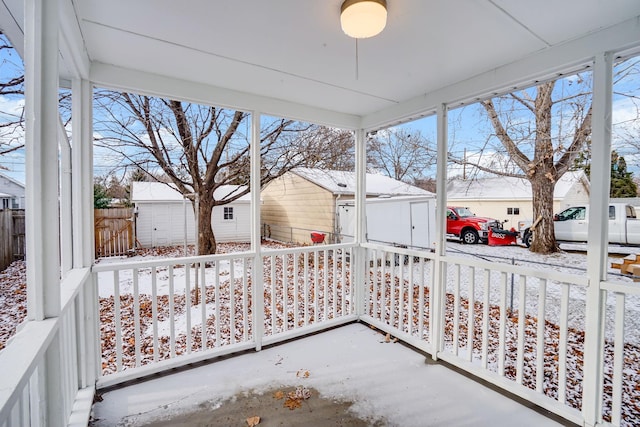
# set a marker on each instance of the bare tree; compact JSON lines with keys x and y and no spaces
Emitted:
{"x":401,"y":154}
{"x":541,"y":145}
{"x":199,"y":148}
{"x":11,"y":87}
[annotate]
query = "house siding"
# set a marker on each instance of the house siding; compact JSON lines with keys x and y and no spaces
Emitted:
{"x":292,"y":207}
{"x":15,"y":192}
{"x":162,"y":224}
{"x":236,"y":230}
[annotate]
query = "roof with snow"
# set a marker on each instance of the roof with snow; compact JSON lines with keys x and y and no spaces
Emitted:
{"x":162,"y":192}
{"x":509,"y":188}
{"x":344,"y":182}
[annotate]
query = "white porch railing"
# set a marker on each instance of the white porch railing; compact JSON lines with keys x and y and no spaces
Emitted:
{"x":517,"y":327}
{"x":59,"y":350}
{"x":160,"y":314}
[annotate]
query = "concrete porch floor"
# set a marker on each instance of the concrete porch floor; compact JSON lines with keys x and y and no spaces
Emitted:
{"x":354,"y":377}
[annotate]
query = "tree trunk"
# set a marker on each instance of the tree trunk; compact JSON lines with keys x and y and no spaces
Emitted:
{"x":206,"y":238}
{"x":544,"y":237}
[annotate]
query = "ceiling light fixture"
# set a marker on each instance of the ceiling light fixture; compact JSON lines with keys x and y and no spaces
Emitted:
{"x":361,"y":19}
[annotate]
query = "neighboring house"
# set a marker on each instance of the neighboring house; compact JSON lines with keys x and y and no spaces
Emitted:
{"x":160,"y":215}
{"x":11,"y":193}
{"x":304,"y":200}
{"x":508,"y":198}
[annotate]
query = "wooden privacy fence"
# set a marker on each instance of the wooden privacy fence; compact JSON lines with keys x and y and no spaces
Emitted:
{"x":11,"y":236}
{"x":114,"y":231}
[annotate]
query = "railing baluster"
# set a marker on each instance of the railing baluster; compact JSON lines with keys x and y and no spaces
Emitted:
{"x":218,"y":302}
{"x":522,"y":320}
{"x":232,"y":301}
{"x":154,"y":313}
{"x":285,"y":293}
{"x":306,"y":288}
{"x":136,"y":317}
{"x":187,"y":303}
{"x":296,"y":305}
{"x":325,"y":289}
{"x":274,"y":317}
{"x":245,"y":299}
{"x":316,"y":292}
{"x":172,"y":322}
{"x":400,"y":275}
{"x":383,"y":287}
{"x":203,"y":302}
{"x":456,"y":308}
{"x":421,"y":302}
{"x":485,"y":320}
{"x":334,"y":284}
{"x":471,"y":313}
{"x":343,"y":282}
{"x":540,"y":342}
{"x":562,"y":356}
{"x":618,"y":359}
{"x":410,"y":299}
{"x":503,"y":323}
{"x":117,"y":319}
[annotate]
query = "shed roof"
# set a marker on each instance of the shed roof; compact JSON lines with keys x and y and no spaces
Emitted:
{"x":344,"y":182}
{"x":509,"y":188}
{"x":161,"y":192}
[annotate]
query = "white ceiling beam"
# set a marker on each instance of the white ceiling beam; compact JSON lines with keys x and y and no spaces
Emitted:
{"x":74,"y":58}
{"x":113,"y":77}
{"x":546,"y":64}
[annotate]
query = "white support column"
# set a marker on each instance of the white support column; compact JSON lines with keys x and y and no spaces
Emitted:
{"x":42,"y":210}
{"x":256,"y":244}
{"x":598,"y":237}
{"x":358,"y":254}
{"x":82,"y":178}
{"x":41,"y":114}
{"x":439,"y":271}
{"x":66,"y":200}
{"x":82,"y":227}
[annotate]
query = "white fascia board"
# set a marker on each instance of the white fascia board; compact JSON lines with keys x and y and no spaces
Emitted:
{"x":12,"y":22}
{"x":546,"y":64}
{"x":124,"y":79}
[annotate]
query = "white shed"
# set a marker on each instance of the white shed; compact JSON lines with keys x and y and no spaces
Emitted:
{"x":161,"y":220}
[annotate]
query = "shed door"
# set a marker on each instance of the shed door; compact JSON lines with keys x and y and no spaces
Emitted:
{"x":420,"y":224}
{"x":160,"y":225}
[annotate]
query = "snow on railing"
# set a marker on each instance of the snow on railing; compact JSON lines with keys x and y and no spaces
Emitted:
{"x":61,"y":348}
{"x":164,"y":313}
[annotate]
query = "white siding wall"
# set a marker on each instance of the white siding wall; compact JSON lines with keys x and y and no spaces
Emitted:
{"x":162,"y":224}
{"x":236,"y":230}
{"x":16,"y":191}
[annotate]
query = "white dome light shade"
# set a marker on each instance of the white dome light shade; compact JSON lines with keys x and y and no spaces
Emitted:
{"x":361,"y":19}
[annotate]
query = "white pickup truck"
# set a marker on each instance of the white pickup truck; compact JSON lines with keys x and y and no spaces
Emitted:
{"x":571,"y":225}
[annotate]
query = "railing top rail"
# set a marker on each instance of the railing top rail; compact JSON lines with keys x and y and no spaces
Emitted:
{"x":557,"y":276}
{"x":163,"y":262}
{"x":424,"y":253}
{"x":624,"y":288}
{"x":303,"y":249}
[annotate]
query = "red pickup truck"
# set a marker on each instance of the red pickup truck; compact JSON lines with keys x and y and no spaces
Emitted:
{"x":468,"y":227}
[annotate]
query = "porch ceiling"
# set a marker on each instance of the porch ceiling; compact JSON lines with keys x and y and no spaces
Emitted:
{"x":296,"y":52}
